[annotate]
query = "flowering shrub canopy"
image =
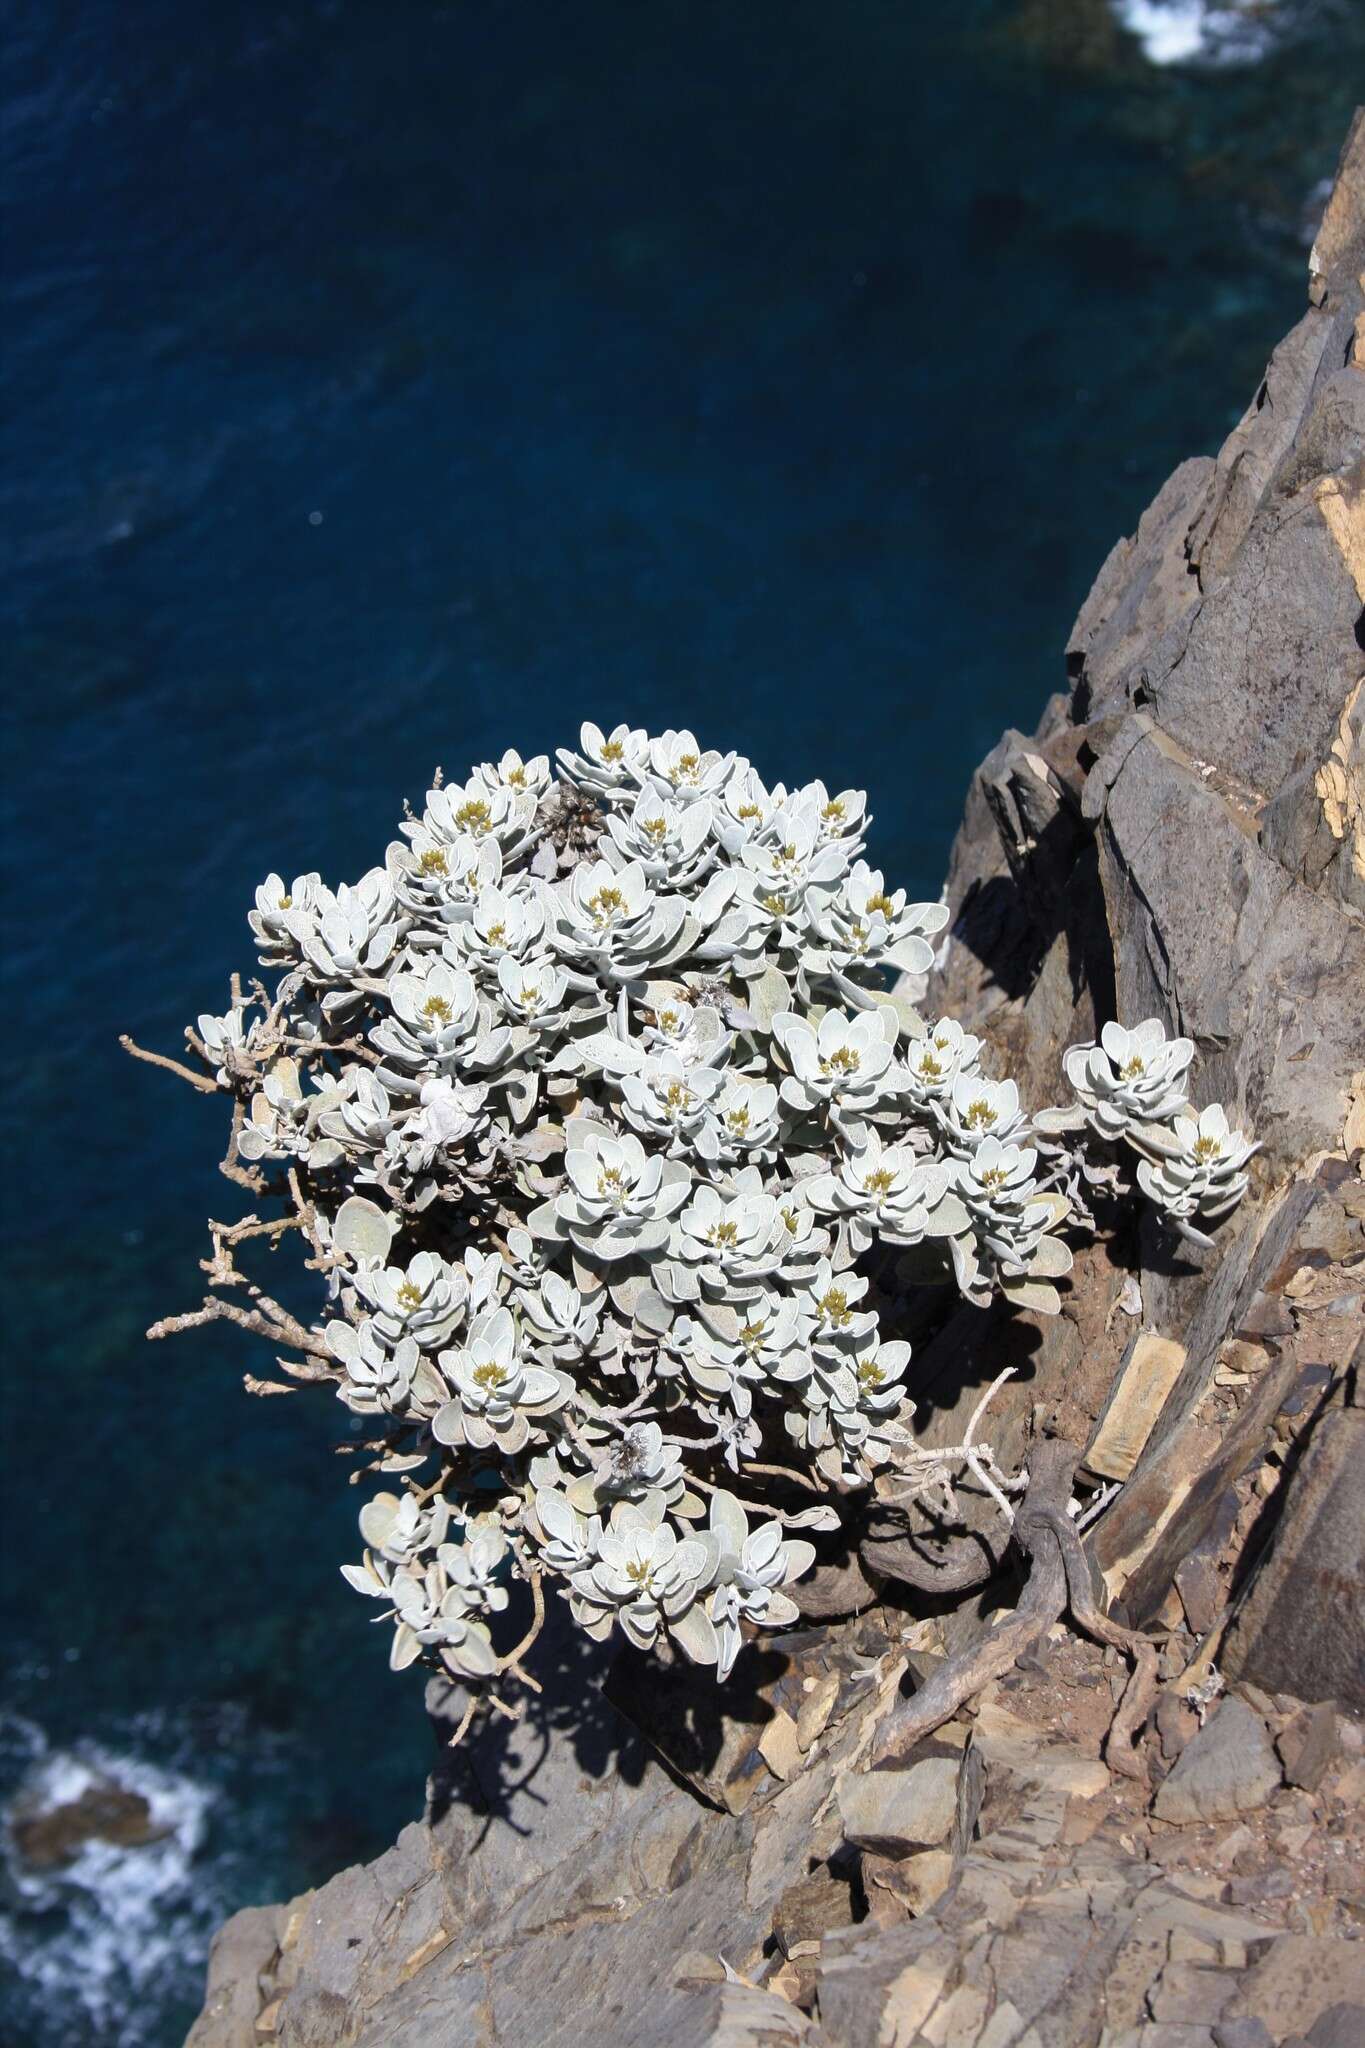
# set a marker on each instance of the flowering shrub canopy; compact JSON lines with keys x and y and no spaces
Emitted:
{"x":617,"y":1145}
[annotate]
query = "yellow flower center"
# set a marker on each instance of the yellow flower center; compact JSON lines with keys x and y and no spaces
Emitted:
{"x":497,"y":934}
{"x":882,"y":903}
{"x":843,"y":1060}
{"x":530,"y":993}
{"x":516,"y":778}
{"x":686,"y":767}
{"x":605,"y":905}
{"x":879,"y":1183}
{"x":638,"y":1572}
{"x":979,"y":1115}
{"x":1208,"y":1148}
{"x":929,"y":1067}
{"x":656,"y":830}
{"x":738,"y":1121}
{"x":286,"y":903}
{"x":747,"y":811}
{"x":870,"y":1376}
{"x":776,"y":905}
{"x":474,"y":817}
{"x":993,"y":1177}
{"x":612,"y":750}
{"x":1135,"y":1066}
{"x":409,"y":1296}
{"x":833,"y":813}
{"x":677,"y":1098}
{"x":752,"y":1335}
{"x":724,"y":1236}
{"x":433,"y":862}
{"x":436,"y":1010}
{"x":489,"y":1375}
{"x":611,"y":1185}
{"x":833,"y":1305}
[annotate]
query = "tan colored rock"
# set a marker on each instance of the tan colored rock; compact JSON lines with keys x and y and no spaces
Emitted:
{"x":778,"y":1745}
{"x":1146,"y":1377}
{"x":816,"y":1708}
{"x":916,"y":1882}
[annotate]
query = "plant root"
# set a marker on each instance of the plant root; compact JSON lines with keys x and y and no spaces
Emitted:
{"x":1059,"y":1581}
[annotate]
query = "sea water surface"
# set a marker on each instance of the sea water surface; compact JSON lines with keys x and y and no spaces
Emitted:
{"x":385,"y":386}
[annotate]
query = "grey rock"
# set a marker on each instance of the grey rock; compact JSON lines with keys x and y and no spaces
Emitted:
{"x":741,"y":2016}
{"x":895,"y":1812}
{"x":1298,"y":1981}
{"x":1201,"y":1592}
{"x":243,"y":1951}
{"x":1311,"y":1745}
{"x":1244,"y":2033}
{"x":1228,"y":1768}
{"x":1341,"y":2026}
{"x":881,"y":1984}
{"x":1302,"y":1626}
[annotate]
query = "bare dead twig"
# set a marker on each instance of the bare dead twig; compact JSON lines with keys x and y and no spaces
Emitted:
{"x":287,"y":1331}
{"x":927,"y":1470}
{"x":231,"y":1166}
{"x":785,"y":1472}
{"x":512,"y":1661}
{"x":470,"y":1709}
{"x":253,"y":1226}
{"x":161,"y":1059}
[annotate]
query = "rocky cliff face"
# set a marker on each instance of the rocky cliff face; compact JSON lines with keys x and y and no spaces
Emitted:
{"x":1184,"y":836}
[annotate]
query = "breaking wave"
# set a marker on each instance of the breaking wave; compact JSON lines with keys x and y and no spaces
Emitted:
{"x":101,"y":1943}
{"x":1203,"y":31}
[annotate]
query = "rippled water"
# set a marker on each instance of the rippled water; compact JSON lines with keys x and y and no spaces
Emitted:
{"x":386,"y":386}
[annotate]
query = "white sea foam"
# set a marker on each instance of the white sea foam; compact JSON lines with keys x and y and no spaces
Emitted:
{"x":1201,"y":31}
{"x":95,"y":1941}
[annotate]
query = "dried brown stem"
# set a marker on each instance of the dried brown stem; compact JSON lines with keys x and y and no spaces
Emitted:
{"x":253,"y":1226}
{"x":470,"y":1708}
{"x":231,"y":1165}
{"x":285,"y":1329}
{"x":161,"y":1059}
{"x":512,"y":1661}
{"x":785,"y":1472}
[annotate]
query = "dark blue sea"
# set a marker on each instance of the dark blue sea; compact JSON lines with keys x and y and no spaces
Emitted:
{"x":385,"y":385}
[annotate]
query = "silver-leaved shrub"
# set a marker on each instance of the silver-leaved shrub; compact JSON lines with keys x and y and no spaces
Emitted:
{"x":616,"y":1144}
